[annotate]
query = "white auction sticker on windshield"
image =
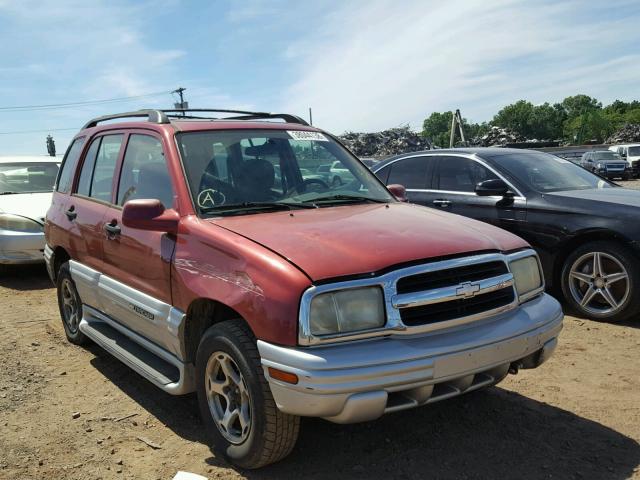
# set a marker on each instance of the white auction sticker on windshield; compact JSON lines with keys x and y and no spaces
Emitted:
{"x":305,"y":135}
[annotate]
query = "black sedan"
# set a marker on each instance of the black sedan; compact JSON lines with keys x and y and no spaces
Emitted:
{"x":586,"y":229}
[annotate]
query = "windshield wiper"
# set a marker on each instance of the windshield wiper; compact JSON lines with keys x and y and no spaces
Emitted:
{"x":254,"y":206}
{"x":8,"y":193}
{"x":345,"y":199}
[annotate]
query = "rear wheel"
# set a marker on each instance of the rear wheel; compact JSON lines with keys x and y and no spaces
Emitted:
{"x":601,"y":280}
{"x":235,"y":400}
{"x":70,"y":305}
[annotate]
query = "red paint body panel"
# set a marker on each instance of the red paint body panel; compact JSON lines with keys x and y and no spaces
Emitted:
{"x":355,"y":239}
{"x":265,"y":289}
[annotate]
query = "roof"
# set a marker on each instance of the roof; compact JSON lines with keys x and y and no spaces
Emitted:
{"x":29,"y":159}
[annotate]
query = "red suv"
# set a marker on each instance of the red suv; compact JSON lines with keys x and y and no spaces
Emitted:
{"x":210,"y":255}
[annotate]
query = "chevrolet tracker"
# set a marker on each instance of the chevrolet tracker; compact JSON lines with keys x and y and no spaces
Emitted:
{"x":213,"y":255}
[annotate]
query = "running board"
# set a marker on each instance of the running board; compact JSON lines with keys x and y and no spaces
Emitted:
{"x":145,"y":358}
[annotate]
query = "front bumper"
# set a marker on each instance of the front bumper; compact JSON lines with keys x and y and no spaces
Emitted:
{"x":21,"y":247}
{"x":360,"y":381}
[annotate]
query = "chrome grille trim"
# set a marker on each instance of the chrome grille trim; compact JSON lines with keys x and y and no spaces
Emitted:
{"x":448,"y":294}
{"x":388,"y":281}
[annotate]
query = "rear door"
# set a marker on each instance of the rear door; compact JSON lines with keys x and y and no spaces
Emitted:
{"x":454,"y":181}
{"x":137,"y":263}
{"x":415,"y":174}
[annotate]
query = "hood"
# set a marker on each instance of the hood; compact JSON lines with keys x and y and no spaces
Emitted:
{"x":348,"y":240}
{"x":618,"y":196}
{"x":31,"y":205}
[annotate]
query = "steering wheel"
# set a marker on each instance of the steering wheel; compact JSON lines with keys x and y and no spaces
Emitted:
{"x":309,"y":181}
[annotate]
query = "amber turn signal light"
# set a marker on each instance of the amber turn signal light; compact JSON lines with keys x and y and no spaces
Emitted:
{"x":283,"y":376}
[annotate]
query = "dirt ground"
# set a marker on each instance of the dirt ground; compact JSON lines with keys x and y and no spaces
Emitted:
{"x":77,"y":413}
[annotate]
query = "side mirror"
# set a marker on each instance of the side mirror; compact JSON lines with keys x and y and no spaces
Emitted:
{"x":151,"y":215}
{"x":492,"y":187}
{"x":398,"y":191}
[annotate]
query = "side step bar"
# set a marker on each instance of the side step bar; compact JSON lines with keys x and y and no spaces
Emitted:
{"x":147,"y":359}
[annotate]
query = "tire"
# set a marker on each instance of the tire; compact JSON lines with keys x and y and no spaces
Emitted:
{"x":70,"y":305}
{"x":614,"y":294}
{"x":271,"y":434}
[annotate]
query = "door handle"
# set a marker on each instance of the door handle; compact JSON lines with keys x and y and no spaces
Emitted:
{"x":71,"y":213}
{"x":442,"y":203}
{"x":112,"y":228}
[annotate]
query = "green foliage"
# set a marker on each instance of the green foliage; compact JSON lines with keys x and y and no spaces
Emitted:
{"x":437,"y":128}
{"x":577,"y":119}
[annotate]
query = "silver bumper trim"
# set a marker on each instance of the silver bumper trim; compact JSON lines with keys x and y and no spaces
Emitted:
{"x":360,"y":381}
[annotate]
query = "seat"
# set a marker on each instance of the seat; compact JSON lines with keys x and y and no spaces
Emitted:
{"x":255,"y":180}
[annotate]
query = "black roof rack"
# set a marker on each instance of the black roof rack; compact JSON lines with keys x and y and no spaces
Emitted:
{"x":154,"y":116}
{"x":162,"y":116}
{"x":243,"y":115}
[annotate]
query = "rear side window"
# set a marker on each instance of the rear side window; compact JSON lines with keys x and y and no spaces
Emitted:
{"x":105,"y":167}
{"x":65,"y":179}
{"x":383,"y":174}
{"x":144,"y":172}
{"x":411,"y":173}
{"x":84,"y":184}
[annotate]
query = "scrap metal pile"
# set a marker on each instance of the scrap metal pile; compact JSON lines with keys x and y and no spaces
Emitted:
{"x":630,"y":133}
{"x":385,"y":143}
{"x":498,"y":137}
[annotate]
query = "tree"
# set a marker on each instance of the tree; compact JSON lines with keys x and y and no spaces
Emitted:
{"x":592,"y":126}
{"x":517,"y":116}
{"x":547,"y":121}
{"x":437,"y":127}
{"x":580,"y":104}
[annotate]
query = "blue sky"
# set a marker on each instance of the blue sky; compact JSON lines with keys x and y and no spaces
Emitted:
{"x":361,"y":65}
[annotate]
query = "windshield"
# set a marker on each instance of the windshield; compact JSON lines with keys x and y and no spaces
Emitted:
{"x":542,"y":172}
{"x":634,"y":151}
{"x":246,"y":171}
{"x":606,"y":156}
{"x":27,"y":177}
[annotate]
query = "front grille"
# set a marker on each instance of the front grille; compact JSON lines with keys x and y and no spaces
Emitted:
{"x":452,"y":276}
{"x":440,"y":312}
{"x":615,"y":166}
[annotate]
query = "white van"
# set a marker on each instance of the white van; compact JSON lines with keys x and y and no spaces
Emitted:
{"x":631,"y":153}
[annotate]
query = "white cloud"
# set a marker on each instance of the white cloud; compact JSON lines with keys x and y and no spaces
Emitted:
{"x":374,"y":65}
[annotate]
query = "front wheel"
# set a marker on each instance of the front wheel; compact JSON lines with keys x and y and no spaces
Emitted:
{"x":601,"y":280}
{"x":235,"y":400}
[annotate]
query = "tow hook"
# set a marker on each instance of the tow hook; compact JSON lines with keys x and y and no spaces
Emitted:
{"x":514,"y":367}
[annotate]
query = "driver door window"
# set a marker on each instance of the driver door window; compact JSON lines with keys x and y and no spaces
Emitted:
{"x":144,"y":172}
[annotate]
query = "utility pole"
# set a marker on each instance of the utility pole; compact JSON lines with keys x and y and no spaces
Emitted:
{"x":182,"y":105}
{"x":51,"y":146}
{"x":310,"y":117}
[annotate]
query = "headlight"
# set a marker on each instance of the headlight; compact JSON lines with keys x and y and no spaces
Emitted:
{"x":527,"y":276}
{"x":347,"y":311}
{"x":599,"y":166}
{"x":19,"y":224}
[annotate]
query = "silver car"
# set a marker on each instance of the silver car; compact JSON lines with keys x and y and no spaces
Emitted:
{"x":26,"y":185}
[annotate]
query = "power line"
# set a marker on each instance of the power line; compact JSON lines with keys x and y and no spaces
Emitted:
{"x":55,"y":106}
{"x":39,"y":131}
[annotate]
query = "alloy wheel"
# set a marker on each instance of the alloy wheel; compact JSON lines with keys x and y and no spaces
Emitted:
{"x":599,"y":283}
{"x":70,"y":306}
{"x":228,"y":397}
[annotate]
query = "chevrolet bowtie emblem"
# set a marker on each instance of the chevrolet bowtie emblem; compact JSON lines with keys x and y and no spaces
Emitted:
{"x":467,"y":289}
